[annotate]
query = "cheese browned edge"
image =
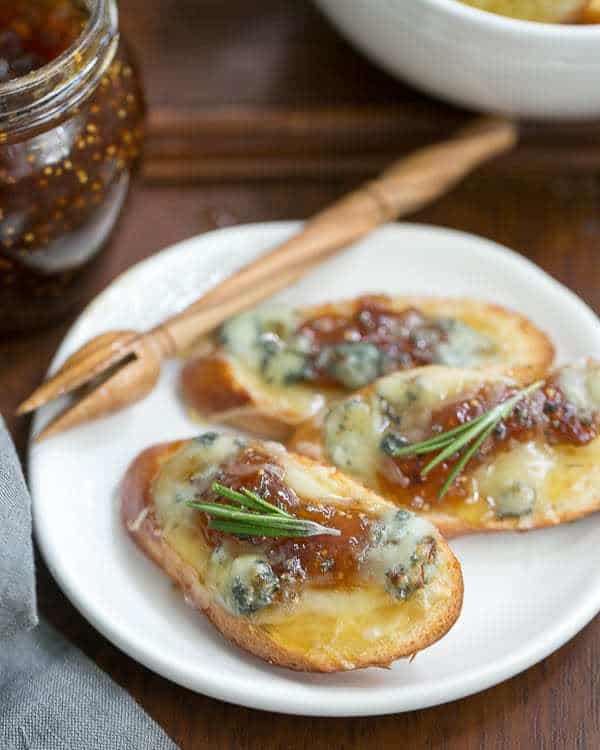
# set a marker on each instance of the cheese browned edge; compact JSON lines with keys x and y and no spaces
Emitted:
{"x":219,"y":387}
{"x":141,"y":521}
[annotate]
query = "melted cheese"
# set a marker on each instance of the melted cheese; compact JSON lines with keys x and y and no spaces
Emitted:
{"x":243,"y":584}
{"x":528,"y":485}
{"x":174,"y":485}
{"x":580,"y":383}
{"x":352,"y":436}
{"x":247,"y":336}
{"x":332,"y":623}
{"x":396,"y":544}
{"x":464,"y":346}
{"x":511,"y":479}
{"x":294,"y":403}
{"x":574,"y":480}
{"x":353,"y":429}
{"x":265,"y":365}
{"x":338,"y":615}
{"x":413,"y":396}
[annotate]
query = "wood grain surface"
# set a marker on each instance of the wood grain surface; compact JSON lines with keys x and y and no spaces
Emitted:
{"x":205,"y":62}
{"x":276,"y":93}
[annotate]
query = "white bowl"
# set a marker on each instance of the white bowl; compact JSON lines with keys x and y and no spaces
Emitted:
{"x":478,"y":59}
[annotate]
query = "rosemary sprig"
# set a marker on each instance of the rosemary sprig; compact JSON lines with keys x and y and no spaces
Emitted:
{"x":254,"y":516}
{"x":247,"y":499}
{"x":470,"y":435}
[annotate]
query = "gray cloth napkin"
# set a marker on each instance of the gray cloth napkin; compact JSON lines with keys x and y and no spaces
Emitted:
{"x":52,"y":697}
{"x":17,"y":587}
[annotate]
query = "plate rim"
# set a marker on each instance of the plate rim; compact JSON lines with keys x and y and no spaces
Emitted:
{"x":447,"y":689}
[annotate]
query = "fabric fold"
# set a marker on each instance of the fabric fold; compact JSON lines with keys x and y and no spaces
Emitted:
{"x":52,"y":697}
{"x":17,"y":580}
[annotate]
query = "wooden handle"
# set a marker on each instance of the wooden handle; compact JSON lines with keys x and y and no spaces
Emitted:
{"x":405,"y":187}
{"x":176,"y":334}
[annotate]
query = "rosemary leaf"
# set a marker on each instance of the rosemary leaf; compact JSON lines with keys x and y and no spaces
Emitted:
{"x":435,"y":442}
{"x":248,"y":499}
{"x":472,"y":434}
{"x":256,"y":517}
{"x":467,"y":456}
{"x":475,"y":428}
{"x":309,"y":528}
{"x":228,"y":512}
{"x":238,"y":497}
{"x":261,"y":504}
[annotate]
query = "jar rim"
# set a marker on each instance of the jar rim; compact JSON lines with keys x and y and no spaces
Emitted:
{"x":31,"y":96}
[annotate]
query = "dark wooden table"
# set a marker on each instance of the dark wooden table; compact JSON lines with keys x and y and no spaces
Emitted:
{"x":259,"y":111}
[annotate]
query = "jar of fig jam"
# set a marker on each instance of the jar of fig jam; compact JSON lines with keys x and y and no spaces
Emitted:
{"x":71,"y":128}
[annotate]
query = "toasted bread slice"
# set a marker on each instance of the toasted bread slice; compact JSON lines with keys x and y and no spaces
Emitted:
{"x":544,"y":11}
{"x":540,"y":467}
{"x":386,"y":587}
{"x":591,"y":12}
{"x":273,"y":368}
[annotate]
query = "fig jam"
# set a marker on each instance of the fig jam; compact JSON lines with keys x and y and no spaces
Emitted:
{"x":546,"y":414}
{"x":324,"y":560}
{"x":404,"y":339}
{"x":71,"y":116}
{"x":33,"y":33}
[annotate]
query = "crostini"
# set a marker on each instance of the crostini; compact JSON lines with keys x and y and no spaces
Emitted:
{"x":340,"y":580}
{"x":591,"y":12}
{"x":271,"y":368}
{"x":471,"y":450}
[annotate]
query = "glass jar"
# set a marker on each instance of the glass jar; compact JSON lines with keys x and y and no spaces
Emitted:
{"x":71,"y":131}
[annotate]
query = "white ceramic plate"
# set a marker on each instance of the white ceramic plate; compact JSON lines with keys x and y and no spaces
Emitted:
{"x":525,"y":595}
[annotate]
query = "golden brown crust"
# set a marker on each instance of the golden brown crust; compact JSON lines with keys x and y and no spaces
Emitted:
{"x":220,"y":390}
{"x":591,"y":12}
{"x":452,"y":526}
{"x":209,"y":385}
{"x":141,"y":522}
